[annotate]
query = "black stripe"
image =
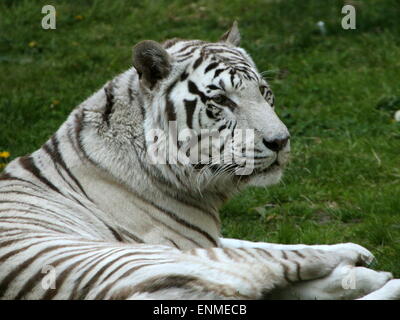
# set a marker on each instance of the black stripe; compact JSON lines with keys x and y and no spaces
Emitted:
{"x":34,"y":280}
{"x":194,"y":90}
{"x":211,"y":66}
{"x":42,"y":211}
{"x":210,"y":114}
{"x":181,"y":196}
{"x":298,"y":253}
{"x":107,"y":289}
{"x":34,"y":222}
{"x":78,"y":121}
{"x":232,"y":254}
{"x":108,"y":276}
{"x":286,"y":272}
{"x":61,"y":278}
{"x":265,"y":253}
{"x":6,"y":243}
{"x":171,"y":42}
{"x":170,"y":168}
{"x":21,"y":267}
{"x":232,"y":73}
{"x":131,"y":235}
{"x":182,"y":57}
{"x":185,"y":223}
{"x":223,"y":127}
{"x":71,"y":130}
{"x":186,"y":282}
{"x":218,"y":71}
{"x":184,"y":76}
{"x":58,"y":158}
{"x":130,"y":90}
{"x":173,"y":242}
{"x":190,"y":106}
{"x":11,"y":253}
{"x":6,"y":176}
{"x":108,"y":89}
{"x":115,"y":233}
{"x":168,"y":227}
{"x":212,"y":48}
{"x":50,"y":153}
{"x":198,"y":61}
{"x":28,"y":164}
{"x":165,"y":282}
{"x":171,"y":114}
{"x":86,"y":288}
{"x":298,"y":270}
{"x":194,"y":44}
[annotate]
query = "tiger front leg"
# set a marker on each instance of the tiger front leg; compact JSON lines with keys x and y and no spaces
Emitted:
{"x":365,"y":255}
{"x":254,"y":273}
{"x":347,"y":281}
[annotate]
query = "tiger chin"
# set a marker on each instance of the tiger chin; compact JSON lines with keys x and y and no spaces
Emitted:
{"x":100,"y":212}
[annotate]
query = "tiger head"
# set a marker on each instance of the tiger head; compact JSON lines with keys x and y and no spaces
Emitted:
{"x":200,"y":86}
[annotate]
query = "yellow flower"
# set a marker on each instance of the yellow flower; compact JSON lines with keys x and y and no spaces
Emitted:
{"x":32,"y":44}
{"x":56,"y":102}
{"x":78,"y":17}
{"x":4,"y":154}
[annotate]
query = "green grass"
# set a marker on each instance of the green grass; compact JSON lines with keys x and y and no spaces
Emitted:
{"x":336,"y":92}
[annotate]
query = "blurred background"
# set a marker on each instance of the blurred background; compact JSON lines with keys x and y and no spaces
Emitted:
{"x":337,"y":91}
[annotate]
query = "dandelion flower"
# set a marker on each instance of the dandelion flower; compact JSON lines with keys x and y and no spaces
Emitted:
{"x":78,"y":17}
{"x":4,"y":154}
{"x":32,"y":44}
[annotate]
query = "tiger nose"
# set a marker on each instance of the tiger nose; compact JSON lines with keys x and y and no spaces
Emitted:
{"x":276,"y":144}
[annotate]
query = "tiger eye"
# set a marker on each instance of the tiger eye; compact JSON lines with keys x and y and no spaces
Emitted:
{"x":220,"y":99}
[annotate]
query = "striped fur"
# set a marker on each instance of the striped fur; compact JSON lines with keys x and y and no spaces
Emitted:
{"x":112,"y":226}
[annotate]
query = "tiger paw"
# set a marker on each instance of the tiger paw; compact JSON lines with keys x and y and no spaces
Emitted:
{"x":344,"y":283}
{"x":353,"y":253}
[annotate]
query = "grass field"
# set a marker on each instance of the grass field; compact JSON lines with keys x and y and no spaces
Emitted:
{"x":336,"y":92}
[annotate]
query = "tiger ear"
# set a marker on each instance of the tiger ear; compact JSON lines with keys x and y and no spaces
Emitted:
{"x":232,"y":36}
{"x":151,"y":61}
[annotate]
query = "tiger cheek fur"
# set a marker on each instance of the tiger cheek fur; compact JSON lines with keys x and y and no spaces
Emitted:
{"x":92,"y":207}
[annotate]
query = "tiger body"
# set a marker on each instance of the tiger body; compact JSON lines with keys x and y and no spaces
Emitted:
{"x":113,"y":226}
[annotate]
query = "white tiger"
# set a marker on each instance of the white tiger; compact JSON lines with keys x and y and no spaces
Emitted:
{"x":113,"y":226}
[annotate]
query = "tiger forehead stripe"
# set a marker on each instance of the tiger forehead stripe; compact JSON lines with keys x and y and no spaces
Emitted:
{"x":211,"y":66}
{"x":195,"y":90}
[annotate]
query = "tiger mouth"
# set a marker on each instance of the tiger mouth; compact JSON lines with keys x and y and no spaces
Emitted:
{"x":274,"y":166}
